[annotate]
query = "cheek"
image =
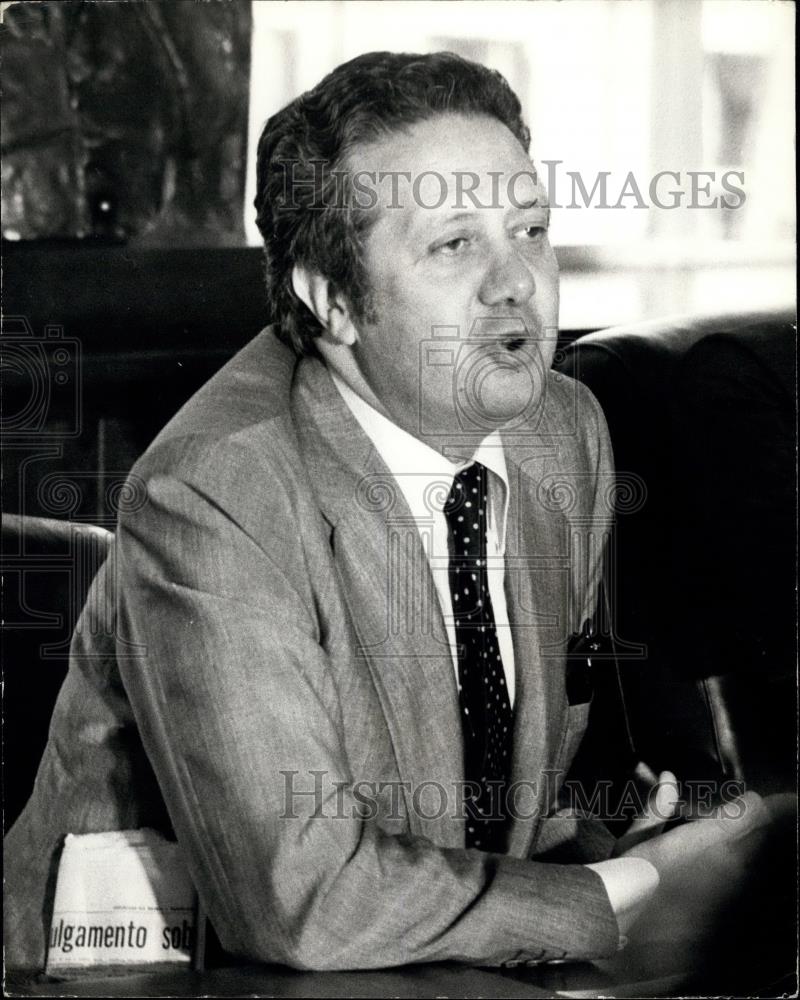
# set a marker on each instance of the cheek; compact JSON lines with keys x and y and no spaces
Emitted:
{"x":545,"y":301}
{"x":413,"y":298}
{"x":552,"y":275}
{"x":411,"y":310}
{"x":548,"y":351}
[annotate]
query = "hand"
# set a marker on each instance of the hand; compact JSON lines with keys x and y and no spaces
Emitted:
{"x":726,"y":825}
{"x":630,"y":881}
{"x":681,"y":877}
{"x":662,"y":802}
{"x":709,"y":872}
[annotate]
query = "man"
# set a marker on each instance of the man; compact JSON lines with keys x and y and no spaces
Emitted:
{"x":345,"y":608}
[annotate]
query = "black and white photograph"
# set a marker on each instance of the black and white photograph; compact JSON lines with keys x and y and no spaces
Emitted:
{"x":399,"y":498}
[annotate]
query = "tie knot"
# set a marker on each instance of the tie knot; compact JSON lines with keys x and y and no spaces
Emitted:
{"x":467,"y":495}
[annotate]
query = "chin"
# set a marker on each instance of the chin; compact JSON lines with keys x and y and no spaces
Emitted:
{"x":508,"y":397}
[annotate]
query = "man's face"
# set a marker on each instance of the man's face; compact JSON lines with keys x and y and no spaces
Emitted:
{"x":464,"y":312}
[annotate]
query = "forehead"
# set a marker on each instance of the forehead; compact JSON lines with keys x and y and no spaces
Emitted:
{"x":442,"y":158}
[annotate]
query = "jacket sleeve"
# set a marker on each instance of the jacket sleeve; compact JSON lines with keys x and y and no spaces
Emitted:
{"x":235,"y":690}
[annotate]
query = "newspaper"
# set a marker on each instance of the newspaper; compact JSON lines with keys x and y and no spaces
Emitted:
{"x":123,"y":899}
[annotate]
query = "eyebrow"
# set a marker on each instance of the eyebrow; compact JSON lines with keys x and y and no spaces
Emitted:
{"x":430,"y":221}
{"x":468,"y":215}
{"x":459,"y":216}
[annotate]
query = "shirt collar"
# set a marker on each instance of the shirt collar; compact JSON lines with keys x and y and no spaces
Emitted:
{"x":413,"y":462}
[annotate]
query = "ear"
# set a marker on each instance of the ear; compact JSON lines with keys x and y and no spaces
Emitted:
{"x":331,"y":310}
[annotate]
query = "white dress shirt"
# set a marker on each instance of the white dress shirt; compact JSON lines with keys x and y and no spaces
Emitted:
{"x":425,"y":478}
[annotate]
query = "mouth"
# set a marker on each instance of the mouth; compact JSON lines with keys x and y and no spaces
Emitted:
{"x":513,"y":342}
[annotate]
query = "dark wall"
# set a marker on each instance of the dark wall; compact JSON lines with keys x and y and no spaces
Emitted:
{"x":100,"y":346}
{"x":126,"y":120}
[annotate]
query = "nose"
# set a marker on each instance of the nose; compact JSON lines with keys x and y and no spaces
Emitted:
{"x":508,"y":280}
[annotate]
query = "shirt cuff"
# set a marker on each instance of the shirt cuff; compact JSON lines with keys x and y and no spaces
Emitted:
{"x":630,"y":883}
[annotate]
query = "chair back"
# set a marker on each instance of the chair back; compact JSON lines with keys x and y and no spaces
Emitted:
{"x":47,"y":568}
{"x":701,"y":415}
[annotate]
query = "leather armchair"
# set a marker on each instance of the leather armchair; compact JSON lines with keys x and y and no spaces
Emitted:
{"x":701,"y":580}
{"x":47,"y":568}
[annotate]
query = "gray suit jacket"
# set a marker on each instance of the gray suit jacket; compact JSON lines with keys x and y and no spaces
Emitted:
{"x":263,"y":652}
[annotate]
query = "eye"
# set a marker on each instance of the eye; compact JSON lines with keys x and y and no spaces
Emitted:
{"x":451,"y":247}
{"x":531,"y":233}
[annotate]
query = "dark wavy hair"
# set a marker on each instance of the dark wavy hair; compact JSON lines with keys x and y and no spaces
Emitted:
{"x":304,"y":212}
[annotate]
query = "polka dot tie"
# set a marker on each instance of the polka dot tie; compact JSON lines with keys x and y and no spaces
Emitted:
{"x":486,"y":716}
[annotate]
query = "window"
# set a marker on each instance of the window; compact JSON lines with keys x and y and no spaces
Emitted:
{"x":643,"y":116}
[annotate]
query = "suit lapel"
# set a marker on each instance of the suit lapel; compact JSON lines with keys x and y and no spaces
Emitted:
{"x":537,"y":594}
{"x":392,"y":600}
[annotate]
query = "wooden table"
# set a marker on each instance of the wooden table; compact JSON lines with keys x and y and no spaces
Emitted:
{"x":672,"y":967}
{"x":727,"y":926}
